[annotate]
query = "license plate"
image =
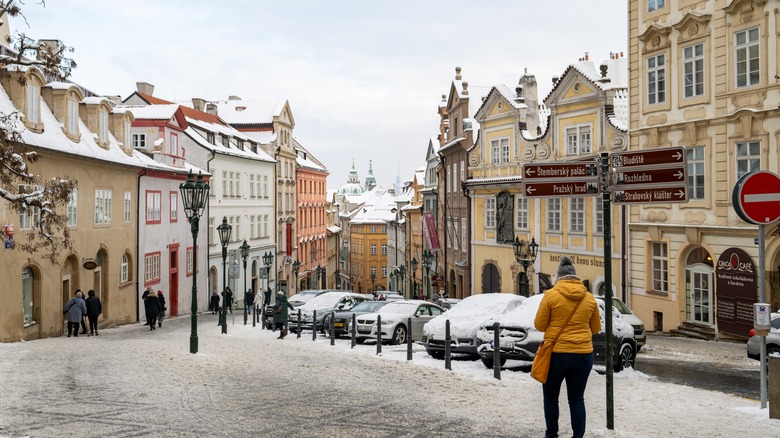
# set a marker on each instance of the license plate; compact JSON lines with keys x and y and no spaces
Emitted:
{"x":338,"y":324}
{"x":364,"y":327}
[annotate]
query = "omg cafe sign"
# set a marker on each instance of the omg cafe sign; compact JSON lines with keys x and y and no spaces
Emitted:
{"x":736,"y":288}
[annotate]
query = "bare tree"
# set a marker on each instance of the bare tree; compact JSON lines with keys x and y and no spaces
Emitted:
{"x":41,"y":200}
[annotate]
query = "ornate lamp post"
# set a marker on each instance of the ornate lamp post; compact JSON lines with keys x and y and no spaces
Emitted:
{"x":224,"y":230}
{"x":244,"y":255}
{"x":415,"y":263}
{"x":268,"y":259}
{"x":373,"y":279}
{"x":427,"y":260}
{"x":525,"y":254}
{"x":337,"y":274}
{"x":296,"y":265}
{"x":193,"y":196}
{"x":401,"y":272}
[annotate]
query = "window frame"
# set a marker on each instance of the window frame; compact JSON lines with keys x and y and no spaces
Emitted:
{"x":73,"y":208}
{"x":693,"y":61}
{"x":73,"y":116}
{"x":174,"y":207}
{"x":153,"y":207}
{"x":139,"y":141}
{"x":578,"y":148}
{"x":124,"y":269}
{"x":553,"y":221}
{"x":490,"y":212}
{"x":188,"y":263}
{"x":152,"y":262}
{"x":655,"y":5}
{"x":577,"y":215}
{"x":746,"y":46}
{"x":103,"y":205}
{"x":746,"y":158}
{"x":128,"y":206}
{"x":30,"y":217}
{"x":650,"y":95}
{"x":696,"y":167}
{"x":521,"y":213}
{"x":659,"y":263}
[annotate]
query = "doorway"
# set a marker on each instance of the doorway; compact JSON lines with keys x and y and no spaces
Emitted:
{"x":699,"y":287}
{"x":491,"y":282}
{"x":173,"y":281}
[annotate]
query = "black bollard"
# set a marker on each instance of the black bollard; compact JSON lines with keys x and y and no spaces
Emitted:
{"x":314,"y":325}
{"x":447,"y":352}
{"x":299,"y":324}
{"x":496,"y":351}
{"x":332,"y":332}
{"x":254,"y":317}
{"x":354,"y":330}
{"x":379,"y":334}
{"x":409,"y":340}
{"x":246,"y":315}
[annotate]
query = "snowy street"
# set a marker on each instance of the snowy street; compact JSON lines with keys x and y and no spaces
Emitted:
{"x":133,"y":382}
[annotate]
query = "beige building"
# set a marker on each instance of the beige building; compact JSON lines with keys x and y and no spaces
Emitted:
{"x":703,"y":75}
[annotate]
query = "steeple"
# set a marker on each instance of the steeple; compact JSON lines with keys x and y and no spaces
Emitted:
{"x":353,"y":175}
{"x":353,"y":186}
{"x":370,"y":180}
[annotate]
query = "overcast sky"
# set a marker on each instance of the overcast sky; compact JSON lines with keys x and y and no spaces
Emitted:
{"x":364,"y":78}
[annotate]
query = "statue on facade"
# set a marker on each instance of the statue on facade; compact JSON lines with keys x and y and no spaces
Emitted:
{"x":504,"y":229}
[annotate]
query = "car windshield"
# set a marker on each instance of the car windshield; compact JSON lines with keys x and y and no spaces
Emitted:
{"x":301,"y":298}
{"x":395,"y":307}
{"x":326,"y":299}
{"x":368,"y":306}
{"x":621,"y":306}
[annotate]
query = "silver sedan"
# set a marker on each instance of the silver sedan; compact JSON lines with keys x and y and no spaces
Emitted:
{"x":395,"y":320}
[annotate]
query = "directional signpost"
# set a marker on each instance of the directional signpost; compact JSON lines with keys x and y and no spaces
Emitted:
{"x":653,"y":176}
{"x":572,"y":178}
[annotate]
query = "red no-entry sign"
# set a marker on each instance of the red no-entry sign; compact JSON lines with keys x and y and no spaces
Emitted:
{"x":756,"y":197}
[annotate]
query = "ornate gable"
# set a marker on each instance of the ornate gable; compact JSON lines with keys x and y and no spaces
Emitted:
{"x":746,"y":9}
{"x":655,"y":38}
{"x":693,"y":25}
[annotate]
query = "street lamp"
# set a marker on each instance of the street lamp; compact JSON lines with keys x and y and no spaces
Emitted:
{"x":244,"y":255}
{"x":193,"y":196}
{"x":337,"y":274}
{"x":373,"y":279}
{"x":415,"y":263}
{"x":525,"y":254}
{"x":268,"y":259}
{"x":296,"y":265}
{"x":427,"y":260}
{"x":224,"y":237}
{"x":401,"y":272}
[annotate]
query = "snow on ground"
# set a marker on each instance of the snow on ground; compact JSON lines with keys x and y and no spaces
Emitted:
{"x":643,"y":406}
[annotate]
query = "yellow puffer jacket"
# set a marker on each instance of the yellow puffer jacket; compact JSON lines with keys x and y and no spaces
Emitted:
{"x":556,"y":306}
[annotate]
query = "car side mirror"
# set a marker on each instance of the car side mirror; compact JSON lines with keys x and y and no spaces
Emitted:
{"x":341,"y":306}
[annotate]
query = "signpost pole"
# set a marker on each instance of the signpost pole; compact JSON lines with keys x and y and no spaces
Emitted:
{"x":762,"y":299}
{"x":607,"y":214}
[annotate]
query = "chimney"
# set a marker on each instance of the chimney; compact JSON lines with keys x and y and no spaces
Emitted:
{"x":234,"y":98}
{"x":211,"y":108}
{"x":465,"y":88}
{"x":457,"y":74}
{"x":530,"y":96}
{"x":117,"y":100}
{"x":198,"y":104}
{"x":145,"y":88}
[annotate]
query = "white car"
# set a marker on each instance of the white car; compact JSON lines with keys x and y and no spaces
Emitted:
{"x":465,"y":317}
{"x":639,"y":327}
{"x":395,"y":321}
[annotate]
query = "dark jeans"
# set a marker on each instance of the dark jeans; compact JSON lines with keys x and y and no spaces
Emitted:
{"x":93,"y":326}
{"x":151,"y":321}
{"x":83,"y":326}
{"x":73,"y":327}
{"x":575,"y":369}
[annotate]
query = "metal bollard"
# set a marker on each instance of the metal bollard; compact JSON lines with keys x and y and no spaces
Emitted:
{"x":254,"y":318}
{"x":332,"y":332}
{"x":496,"y":351}
{"x":246,"y":314}
{"x":409,"y":340}
{"x":314,"y":325}
{"x":354,"y":330}
{"x":379,"y":334}
{"x":447,"y":352}
{"x":299,"y":324}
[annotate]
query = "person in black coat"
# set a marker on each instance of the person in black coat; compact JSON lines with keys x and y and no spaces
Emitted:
{"x":153,"y":310}
{"x":163,"y":308}
{"x":249,"y":300}
{"x":229,"y":299}
{"x":94,"y":308}
{"x":214,"y":306}
{"x":83,"y":323}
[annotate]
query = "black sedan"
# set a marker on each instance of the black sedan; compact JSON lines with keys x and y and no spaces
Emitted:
{"x":342,"y":319}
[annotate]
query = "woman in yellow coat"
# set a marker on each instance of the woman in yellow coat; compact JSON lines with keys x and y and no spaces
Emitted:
{"x":572,"y":357}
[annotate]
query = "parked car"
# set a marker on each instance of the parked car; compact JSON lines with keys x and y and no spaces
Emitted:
{"x":324,"y":304}
{"x":395,"y":318}
{"x":342,"y":319}
{"x":772,"y":340}
{"x":296,"y":300}
{"x":519,"y":340}
{"x":447,"y":303}
{"x":639,"y":327}
{"x":465,"y":318}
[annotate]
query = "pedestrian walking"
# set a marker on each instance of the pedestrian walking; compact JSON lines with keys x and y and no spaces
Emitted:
{"x":94,"y":309}
{"x":249,"y":300}
{"x":229,"y":299}
{"x":75,"y":309}
{"x":572,"y":356}
{"x":280,"y":313}
{"x":84,"y":316}
{"x":153,"y":310}
{"x":214,"y":303}
{"x":146,"y":293}
{"x":163,"y":308}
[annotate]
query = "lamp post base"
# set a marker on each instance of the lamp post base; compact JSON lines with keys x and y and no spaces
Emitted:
{"x":193,"y":344}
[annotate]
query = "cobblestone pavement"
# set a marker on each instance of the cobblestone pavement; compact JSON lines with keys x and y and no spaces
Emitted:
{"x":131,"y":382}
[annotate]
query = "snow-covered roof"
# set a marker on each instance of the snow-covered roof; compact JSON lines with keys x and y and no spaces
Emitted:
{"x":237,"y":112}
{"x":494,"y":180}
{"x":333,"y":229}
{"x":152,"y":112}
{"x":544,"y":119}
{"x":218,"y":147}
{"x":263,"y":137}
{"x":620,"y":105}
{"x":617,"y":73}
{"x":377,"y":208}
{"x":303,"y":162}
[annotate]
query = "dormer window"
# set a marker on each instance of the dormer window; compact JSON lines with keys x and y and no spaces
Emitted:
{"x":103,"y":126}
{"x":73,"y":116}
{"x":174,"y":145}
{"x":128,"y":135}
{"x":33,"y":103}
{"x":210,"y":137}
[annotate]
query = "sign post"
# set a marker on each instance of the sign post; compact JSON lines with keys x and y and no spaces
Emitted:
{"x":567,"y":179}
{"x":652,"y":176}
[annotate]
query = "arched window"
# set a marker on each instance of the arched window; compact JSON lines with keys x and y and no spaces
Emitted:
{"x":28,"y":296}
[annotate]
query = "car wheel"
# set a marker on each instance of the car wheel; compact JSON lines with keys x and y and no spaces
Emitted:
{"x":399,"y":335}
{"x":488,"y":361}
{"x":360,"y":340}
{"x":326,"y":324}
{"x":436,"y":354}
{"x":626,"y":358}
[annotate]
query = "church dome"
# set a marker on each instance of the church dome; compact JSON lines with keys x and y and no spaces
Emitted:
{"x":353,"y":186}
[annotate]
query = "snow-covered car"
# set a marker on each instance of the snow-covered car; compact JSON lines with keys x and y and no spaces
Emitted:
{"x":342,"y":319}
{"x":448,"y":303}
{"x":395,"y":319}
{"x":465,"y":318}
{"x":296,"y":300}
{"x":772,"y":340}
{"x":519,"y":340}
{"x":639,"y":327}
{"x":324,"y":304}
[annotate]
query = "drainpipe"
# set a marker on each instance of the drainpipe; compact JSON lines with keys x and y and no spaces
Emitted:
{"x":446,"y":226}
{"x":623,"y":254}
{"x":138,"y":244}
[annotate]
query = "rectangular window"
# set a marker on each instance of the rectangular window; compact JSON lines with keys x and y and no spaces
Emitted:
{"x":747,"y":57}
{"x":449,"y":178}
{"x":73,"y":117}
{"x":656,"y":79}
{"x":126,"y":129}
{"x":153,"y":207}
{"x":748,"y":157}
{"x":384,"y":271}
{"x":139,"y":141}
{"x":224,"y":183}
{"x":490,"y":212}
{"x":660,"y":267}
{"x":152,"y":268}
{"x":174,"y":207}
{"x":124,"y":270}
{"x":695,"y":160}
{"x":522,"y":213}
{"x":103,"y":126}
{"x":33,"y":103}
{"x":499,"y":150}
{"x":373,"y":271}
{"x":578,"y":140}
{"x":102,"y":206}
{"x":73,"y":208}
{"x":29,"y":217}
{"x":265,"y":226}
{"x":462,"y":170}
{"x":265,"y":186}
{"x":211,"y":238}
{"x":505,"y":150}
{"x":553,"y":214}
{"x":238,"y":184}
{"x":384,"y":249}
{"x":189,"y":261}
{"x":599,"y":207}
{"x":577,"y":215}
{"x":373,"y":249}
{"x":693,"y":70}
{"x":128,"y":207}
{"x":654,"y":5}
{"x":174,"y":145}
{"x":251,"y":186}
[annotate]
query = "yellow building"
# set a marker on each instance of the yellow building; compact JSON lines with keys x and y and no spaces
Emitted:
{"x":703,"y":77}
{"x":368,"y":242}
